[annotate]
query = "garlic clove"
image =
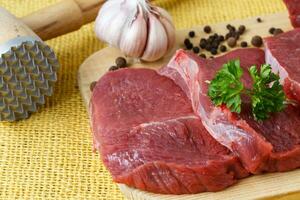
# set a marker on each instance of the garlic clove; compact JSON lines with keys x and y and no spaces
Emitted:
{"x":103,"y":21}
{"x":114,"y":31}
{"x":167,"y":22}
{"x":157,"y":42}
{"x":112,"y":19}
{"x":134,"y":36}
{"x":108,"y":12}
{"x":170,"y":30}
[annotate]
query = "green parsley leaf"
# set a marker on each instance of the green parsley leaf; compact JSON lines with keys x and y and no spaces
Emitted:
{"x":226,"y":87}
{"x":267,"y":94}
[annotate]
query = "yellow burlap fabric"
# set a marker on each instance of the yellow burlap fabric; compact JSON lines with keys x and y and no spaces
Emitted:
{"x":49,"y":156}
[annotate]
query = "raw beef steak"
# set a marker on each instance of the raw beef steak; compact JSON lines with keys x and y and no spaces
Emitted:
{"x":294,"y":10}
{"x":272,"y":145}
{"x":283,"y":53}
{"x":149,"y":138}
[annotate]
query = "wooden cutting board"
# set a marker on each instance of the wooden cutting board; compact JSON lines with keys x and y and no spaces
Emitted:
{"x":273,"y":185}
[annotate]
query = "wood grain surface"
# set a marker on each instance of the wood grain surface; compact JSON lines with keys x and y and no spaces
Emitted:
{"x":268,"y":186}
{"x":63,"y":17}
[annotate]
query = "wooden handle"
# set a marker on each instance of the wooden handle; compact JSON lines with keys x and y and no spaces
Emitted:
{"x":63,"y":17}
{"x":12,"y":28}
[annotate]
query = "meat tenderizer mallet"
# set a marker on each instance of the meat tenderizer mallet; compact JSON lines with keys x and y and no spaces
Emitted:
{"x":28,"y":66}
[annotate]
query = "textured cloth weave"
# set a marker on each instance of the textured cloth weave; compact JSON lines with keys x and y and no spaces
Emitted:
{"x":49,"y":156}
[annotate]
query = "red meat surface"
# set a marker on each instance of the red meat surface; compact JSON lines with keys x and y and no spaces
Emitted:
{"x":272,"y":145}
{"x":283,"y":54}
{"x":149,"y":137}
{"x":294,"y":11}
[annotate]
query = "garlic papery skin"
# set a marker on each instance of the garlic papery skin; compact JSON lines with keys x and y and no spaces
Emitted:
{"x":137,"y":28}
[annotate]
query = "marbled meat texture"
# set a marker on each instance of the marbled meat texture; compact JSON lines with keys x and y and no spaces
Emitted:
{"x":272,"y":145}
{"x":283,"y":54}
{"x":149,"y":137}
{"x":294,"y":11}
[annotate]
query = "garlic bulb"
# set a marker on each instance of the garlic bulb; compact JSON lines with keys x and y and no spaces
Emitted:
{"x":137,"y":28}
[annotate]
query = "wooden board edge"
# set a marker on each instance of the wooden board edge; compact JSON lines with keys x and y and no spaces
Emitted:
{"x":246,"y":189}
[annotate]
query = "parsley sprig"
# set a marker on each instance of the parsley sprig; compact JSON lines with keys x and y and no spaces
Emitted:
{"x":226,"y":87}
{"x":266,"y":95}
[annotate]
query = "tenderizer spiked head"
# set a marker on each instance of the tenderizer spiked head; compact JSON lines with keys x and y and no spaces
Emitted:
{"x":27,"y":76}
{"x":28,"y":68}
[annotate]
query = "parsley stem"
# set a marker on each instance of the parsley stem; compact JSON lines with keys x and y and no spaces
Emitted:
{"x":291,"y":102}
{"x":247,"y":92}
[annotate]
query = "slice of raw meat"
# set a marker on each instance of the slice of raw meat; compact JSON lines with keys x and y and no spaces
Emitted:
{"x":149,"y":138}
{"x":272,"y":145}
{"x":283,"y":53}
{"x":294,"y":10}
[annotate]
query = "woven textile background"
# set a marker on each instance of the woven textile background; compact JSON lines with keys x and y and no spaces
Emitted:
{"x":49,"y":156}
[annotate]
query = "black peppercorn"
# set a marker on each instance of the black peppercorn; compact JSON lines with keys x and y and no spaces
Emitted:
{"x":232,"y":29}
{"x":228,"y":35}
{"x":189,"y":46}
{"x":223,"y":48}
{"x":229,"y":27}
{"x":214,"y":51}
{"x":244,"y":44}
{"x":92,"y":85}
{"x":203,"y":43}
{"x":217,"y":40}
{"x":215,"y":44}
{"x":203,"y":40}
{"x":236,"y":35}
{"x":257,"y":41}
{"x":259,"y":20}
{"x":187,"y":42}
{"x":192,"y":34}
{"x":272,"y":30}
{"x":221,"y":38}
{"x":210,"y":39}
{"x":202,"y":55}
{"x":207,"y":29}
{"x":231,"y":42}
{"x":242,"y":29}
{"x":208,"y":47}
{"x":278,"y":31}
{"x":113,"y":68}
{"x":196,"y":50}
{"x":121,"y":62}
